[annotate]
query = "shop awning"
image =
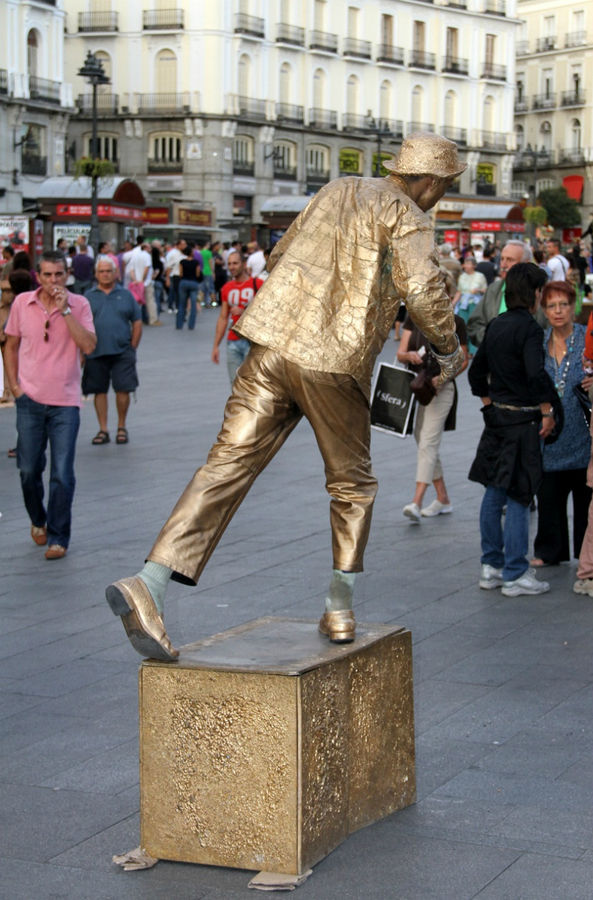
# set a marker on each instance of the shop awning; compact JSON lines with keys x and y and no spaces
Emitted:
{"x":66,"y":187}
{"x":283,"y":204}
{"x":494,"y":217}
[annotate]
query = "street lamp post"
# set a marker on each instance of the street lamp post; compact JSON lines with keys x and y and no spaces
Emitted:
{"x":381,"y":129}
{"x":95,"y":75}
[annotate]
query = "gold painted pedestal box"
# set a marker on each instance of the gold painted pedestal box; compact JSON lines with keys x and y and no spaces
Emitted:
{"x":265,"y":746}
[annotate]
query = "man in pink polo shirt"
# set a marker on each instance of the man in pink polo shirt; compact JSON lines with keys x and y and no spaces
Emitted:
{"x":46,"y":331}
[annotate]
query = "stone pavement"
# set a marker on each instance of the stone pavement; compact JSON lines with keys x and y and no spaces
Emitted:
{"x":503,"y":686}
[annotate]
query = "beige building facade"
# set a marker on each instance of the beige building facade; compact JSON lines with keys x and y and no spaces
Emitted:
{"x":554,"y":100}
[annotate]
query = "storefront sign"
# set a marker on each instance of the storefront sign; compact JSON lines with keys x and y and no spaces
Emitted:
{"x":156,"y":215}
{"x":485,"y":173}
{"x":14,"y":230}
{"x":104,"y":211}
{"x":451,"y":237}
{"x":70,"y":233}
{"x":194,"y":216}
{"x":350,"y":162}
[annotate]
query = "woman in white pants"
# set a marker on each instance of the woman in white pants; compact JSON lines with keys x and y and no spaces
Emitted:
{"x":430,"y":421}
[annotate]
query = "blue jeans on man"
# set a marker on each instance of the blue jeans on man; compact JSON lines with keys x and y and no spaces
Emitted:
{"x":236,"y":353}
{"x":208,"y":290}
{"x":173,"y":299}
{"x":504,"y":549}
{"x":188,"y":289}
{"x":37,"y":424}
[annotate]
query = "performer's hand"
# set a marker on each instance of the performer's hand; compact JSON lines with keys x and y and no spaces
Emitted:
{"x":451,"y":364}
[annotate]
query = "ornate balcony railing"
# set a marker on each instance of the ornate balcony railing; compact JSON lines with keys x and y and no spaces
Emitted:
{"x":459,"y":135}
{"x":521,"y":105}
{"x":393,"y":128}
{"x":317,"y":176}
{"x":494,"y":71}
{"x":522,"y":48}
{"x":573,"y":98}
{"x":288,"y":112}
{"x":163,"y":103}
{"x":156,"y":166}
{"x":323,"y":118}
{"x":32,"y":164}
{"x":290,"y":34}
{"x":533,"y":159}
{"x":241,"y":167}
{"x":354,"y":47}
{"x":288,"y":173}
{"x":456,"y":4}
{"x":106,"y":103}
{"x":413,"y":127}
{"x":544,"y":101}
{"x":163,"y":19}
{"x":98,"y":21}
{"x":251,"y":25}
{"x":495,"y":7}
{"x":485,"y":189}
{"x":575,"y":39}
{"x":322,"y":40}
{"x":574,"y":155}
{"x":354,"y":122}
{"x":494,"y":140}
{"x":3,"y":81}
{"x":44,"y":89}
{"x":456,"y":65}
{"x":251,"y":108}
{"x":545,"y":43}
{"x":390,"y":54}
{"x":421,"y":59}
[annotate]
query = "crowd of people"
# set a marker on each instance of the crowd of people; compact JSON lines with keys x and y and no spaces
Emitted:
{"x":528,"y":318}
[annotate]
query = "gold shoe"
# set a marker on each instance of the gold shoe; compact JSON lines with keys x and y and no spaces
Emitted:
{"x":339,"y":625}
{"x":131,"y":599}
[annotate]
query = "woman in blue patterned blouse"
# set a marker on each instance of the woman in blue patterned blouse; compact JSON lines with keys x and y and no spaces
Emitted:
{"x":566,"y":460}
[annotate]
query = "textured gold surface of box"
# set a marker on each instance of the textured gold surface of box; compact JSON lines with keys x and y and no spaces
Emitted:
{"x":264,"y":746}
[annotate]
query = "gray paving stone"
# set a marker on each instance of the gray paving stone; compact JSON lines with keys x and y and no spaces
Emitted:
{"x":535,"y":877}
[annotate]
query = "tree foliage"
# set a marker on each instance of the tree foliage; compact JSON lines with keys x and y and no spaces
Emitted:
{"x":535,"y":215}
{"x":562,"y":210}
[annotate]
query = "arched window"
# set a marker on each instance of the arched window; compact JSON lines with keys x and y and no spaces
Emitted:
{"x":107,"y":146}
{"x":352,"y":95}
{"x":243,"y":155}
{"x":166,"y":152}
{"x":545,"y":136}
{"x":520,"y":137}
{"x":33,"y":53}
{"x":244,"y":76}
{"x":576,"y":134}
{"x":165,"y":76}
{"x":319,"y":81}
{"x":285,"y":157}
{"x":285,"y":82}
{"x":385,"y":100}
{"x":417,"y":107}
{"x":450,"y":108}
{"x":489,"y":114}
{"x":317,"y":159}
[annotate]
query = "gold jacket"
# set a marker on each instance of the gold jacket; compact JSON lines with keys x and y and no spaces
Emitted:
{"x":337,"y":276}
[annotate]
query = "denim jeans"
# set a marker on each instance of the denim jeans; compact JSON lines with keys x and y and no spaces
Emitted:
{"x":504,"y":550}
{"x":187,"y":289}
{"x":236,"y":352}
{"x":158,"y":294}
{"x":208,"y":289}
{"x":37,"y":423}
{"x":174,"y":292}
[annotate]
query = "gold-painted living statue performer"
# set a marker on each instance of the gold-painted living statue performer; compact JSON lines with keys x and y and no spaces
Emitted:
{"x":316,"y":327}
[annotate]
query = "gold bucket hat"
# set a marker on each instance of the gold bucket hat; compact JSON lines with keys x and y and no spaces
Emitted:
{"x":424,"y":153}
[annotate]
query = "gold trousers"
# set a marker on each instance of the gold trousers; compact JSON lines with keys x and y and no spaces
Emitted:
{"x":269,"y":397}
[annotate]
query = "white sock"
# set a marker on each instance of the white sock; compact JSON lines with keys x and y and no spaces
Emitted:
{"x":340,"y":591}
{"x":156,"y":578}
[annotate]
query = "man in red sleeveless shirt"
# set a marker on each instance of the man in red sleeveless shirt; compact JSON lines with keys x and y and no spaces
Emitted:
{"x":235,"y":296}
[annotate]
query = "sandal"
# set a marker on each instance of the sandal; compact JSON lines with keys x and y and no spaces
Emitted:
{"x":101,"y":437}
{"x":121,"y":436}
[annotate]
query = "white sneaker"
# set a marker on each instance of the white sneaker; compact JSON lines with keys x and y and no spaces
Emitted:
{"x":436,"y":508}
{"x":527,"y":584}
{"x":412,"y":512}
{"x":583,"y":586}
{"x":490,"y":577}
